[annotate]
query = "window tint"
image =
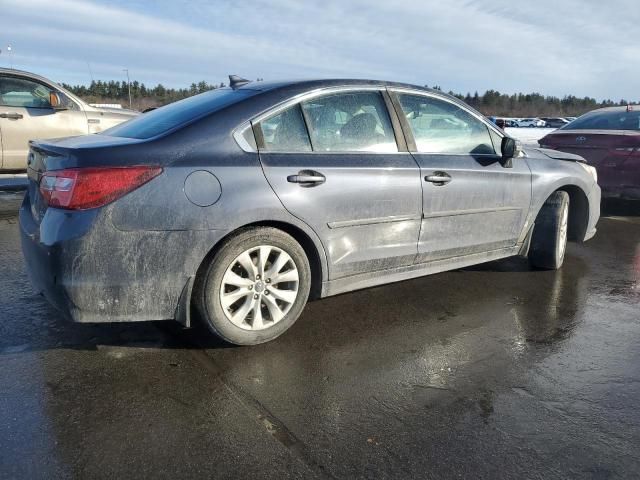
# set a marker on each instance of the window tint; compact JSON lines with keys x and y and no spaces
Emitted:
{"x":442,"y":127}
{"x":350,"y":122}
{"x":178,"y":113}
{"x":20,"y":92}
{"x":286,"y":132}
{"x":612,"y":120}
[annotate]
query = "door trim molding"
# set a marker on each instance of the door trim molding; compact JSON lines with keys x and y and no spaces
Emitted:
{"x":373,"y":221}
{"x":470,"y":211}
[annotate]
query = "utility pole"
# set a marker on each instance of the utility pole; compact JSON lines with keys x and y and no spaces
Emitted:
{"x":9,"y":53}
{"x":90,"y":71}
{"x":129,"y":85}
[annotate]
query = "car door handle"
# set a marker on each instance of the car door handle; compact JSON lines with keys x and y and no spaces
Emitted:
{"x":307,"y":178}
{"x":12,"y":116}
{"x":438,"y":178}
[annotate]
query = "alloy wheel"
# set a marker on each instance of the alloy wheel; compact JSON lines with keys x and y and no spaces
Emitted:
{"x":564,"y":221}
{"x":259,"y":287}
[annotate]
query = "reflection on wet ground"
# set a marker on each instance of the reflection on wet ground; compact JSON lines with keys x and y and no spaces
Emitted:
{"x":494,"y":371}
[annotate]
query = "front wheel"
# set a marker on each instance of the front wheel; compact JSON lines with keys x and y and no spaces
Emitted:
{"x":255,"y":286}
{"x":549,"y":240}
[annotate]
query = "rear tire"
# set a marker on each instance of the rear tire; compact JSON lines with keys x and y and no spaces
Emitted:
{"x":255,"y":286}
{"x":549,"y":240}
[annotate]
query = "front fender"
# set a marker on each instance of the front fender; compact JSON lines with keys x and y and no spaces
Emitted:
{"x":549,"y":175}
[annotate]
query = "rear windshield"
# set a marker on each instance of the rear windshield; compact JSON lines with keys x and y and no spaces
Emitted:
{"x":612,"y":120}
{"x":179,"y":113}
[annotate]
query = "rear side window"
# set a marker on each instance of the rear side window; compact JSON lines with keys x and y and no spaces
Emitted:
{"x":286,"y":132}
{"x":20,"y":92}
{"x":442,"y":127}
{"x":612,"y":120}
{"x":350,"y":122}
{"x":178,"y":113}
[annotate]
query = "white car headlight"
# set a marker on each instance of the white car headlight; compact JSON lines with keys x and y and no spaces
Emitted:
{"x":592,"y":170}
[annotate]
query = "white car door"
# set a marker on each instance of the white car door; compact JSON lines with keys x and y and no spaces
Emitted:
{"x":26,"y":113}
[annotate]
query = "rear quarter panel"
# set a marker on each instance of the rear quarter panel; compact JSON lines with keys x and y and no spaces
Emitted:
{"x":245,"y":195}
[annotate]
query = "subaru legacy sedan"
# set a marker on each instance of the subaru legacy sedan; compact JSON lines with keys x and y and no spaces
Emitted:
{"x":238,"y":205}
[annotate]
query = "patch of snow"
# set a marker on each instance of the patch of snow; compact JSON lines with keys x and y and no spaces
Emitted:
{"x":528,"y":135}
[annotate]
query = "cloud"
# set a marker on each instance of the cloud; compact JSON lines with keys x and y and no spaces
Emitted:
{"x":577,"y":47}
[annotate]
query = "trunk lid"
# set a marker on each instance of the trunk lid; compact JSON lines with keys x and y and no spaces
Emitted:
{"x":594,"y":145}
{"x":72,"y":152}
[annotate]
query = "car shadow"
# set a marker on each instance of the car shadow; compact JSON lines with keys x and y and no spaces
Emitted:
{"x":43,"y":328}
{"x":614,"y":207}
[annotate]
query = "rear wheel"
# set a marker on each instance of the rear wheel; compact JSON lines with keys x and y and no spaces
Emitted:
{"x":255,"y":286}
{"x":549,"y":240}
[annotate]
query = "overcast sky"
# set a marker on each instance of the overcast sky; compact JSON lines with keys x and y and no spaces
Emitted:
{"x":555,"y":47}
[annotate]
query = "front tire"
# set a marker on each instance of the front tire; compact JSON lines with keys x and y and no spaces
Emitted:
{"x":255,"y":286}
{"x":549,"y":240}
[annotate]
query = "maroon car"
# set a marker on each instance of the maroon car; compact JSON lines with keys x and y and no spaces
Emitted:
{"x":609,"y":139}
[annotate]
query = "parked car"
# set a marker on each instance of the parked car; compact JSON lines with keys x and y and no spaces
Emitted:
{"x":246,"y":201}
{"x":33,"y":107}
{"x":530,"y":122}
{"x":609,"y":139}
{"x":554,"y":122}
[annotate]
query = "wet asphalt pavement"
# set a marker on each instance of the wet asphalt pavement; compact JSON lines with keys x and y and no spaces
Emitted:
{"x":491,"y":372}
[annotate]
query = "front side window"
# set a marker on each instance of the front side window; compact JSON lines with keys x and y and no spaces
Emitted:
{"x":443,"y":127}
{"x":350,"y":122}
{"x":66,"y":102}
{"x":20,"y":92}
{"x":285,"y":132}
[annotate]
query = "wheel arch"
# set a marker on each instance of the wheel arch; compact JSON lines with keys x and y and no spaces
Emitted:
{"x":311,"y":249}
{"x":578,"y":212}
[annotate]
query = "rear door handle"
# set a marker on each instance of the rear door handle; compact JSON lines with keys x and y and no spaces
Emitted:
{"x":438,"y":178}
{"x":307,"y":178}
{"x":12,"y":116}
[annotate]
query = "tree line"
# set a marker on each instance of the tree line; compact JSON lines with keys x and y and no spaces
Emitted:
{"x":517,"y":105}
{"x":142,"y":97}
{"x":490,"y":102}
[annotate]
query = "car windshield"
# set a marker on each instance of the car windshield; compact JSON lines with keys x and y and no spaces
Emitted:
{"x":611,"y":120}
{"x":176,"y":114}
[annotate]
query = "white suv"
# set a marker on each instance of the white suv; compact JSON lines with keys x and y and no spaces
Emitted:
{"x":530,"y":122}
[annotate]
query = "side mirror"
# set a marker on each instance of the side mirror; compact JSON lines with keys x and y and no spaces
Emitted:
{"x":57,"y":101}
{"x":511,"y":149}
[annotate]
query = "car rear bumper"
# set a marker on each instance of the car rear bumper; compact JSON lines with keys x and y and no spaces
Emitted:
{"x":93,"y":272}
{"x":40,"y":261}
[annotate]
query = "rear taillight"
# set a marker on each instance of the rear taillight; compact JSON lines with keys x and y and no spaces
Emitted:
{"x":83,"y":188}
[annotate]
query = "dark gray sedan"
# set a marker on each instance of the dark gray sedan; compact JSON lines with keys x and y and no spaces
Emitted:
{"x":245,"y":202}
